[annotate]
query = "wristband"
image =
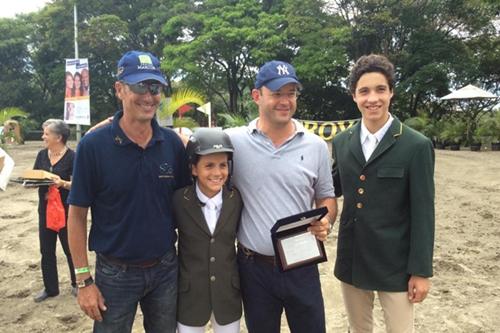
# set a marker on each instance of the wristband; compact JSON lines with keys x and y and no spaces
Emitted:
{"x":82,"y":270}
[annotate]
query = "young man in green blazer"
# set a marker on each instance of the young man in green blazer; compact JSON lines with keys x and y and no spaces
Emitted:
{"x":385,"y":171}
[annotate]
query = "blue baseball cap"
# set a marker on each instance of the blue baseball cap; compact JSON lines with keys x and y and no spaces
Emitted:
{"x":275,"y":74}
{"x":138,"y":66}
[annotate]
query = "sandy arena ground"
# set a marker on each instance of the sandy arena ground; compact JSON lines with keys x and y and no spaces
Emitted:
{"x":465,"y":296}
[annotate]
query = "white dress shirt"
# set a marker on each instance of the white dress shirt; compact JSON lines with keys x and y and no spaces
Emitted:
{"x":369,"y":141}
{"x":211,"y":207}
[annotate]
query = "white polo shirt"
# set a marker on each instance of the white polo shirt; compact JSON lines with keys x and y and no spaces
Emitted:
{"x":276,"y":182}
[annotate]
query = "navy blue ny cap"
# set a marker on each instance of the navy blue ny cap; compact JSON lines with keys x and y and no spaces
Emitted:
{"x":275,"y":74}
{"x":138,"y":66}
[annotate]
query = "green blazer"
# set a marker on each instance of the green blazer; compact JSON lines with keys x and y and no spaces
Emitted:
{"x":386,"y":230}
{"x":208,"y":272}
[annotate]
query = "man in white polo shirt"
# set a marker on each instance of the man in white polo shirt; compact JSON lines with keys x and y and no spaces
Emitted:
{"x":280,"y":170}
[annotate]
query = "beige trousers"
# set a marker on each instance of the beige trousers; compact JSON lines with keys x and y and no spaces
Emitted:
{"x":397,"y":309}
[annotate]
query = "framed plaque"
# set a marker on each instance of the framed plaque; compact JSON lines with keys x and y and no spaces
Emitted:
{"x":294,"y":246}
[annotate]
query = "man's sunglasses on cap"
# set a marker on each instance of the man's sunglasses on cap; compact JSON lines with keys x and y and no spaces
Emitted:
{"x":142,"y":88}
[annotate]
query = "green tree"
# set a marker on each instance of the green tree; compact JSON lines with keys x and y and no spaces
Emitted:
{"x":109,"y":29}
{"x":15,"y":77}
{"x":319,"y":43}
{"x":216,"y":47}
{"x":104,"y":40}
{"x":219,"y":45}
{"x":426,"y":40}
{"x":51,"y":42}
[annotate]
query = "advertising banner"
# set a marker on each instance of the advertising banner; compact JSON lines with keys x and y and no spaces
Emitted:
{"x":77,"y":92}
{"x":327,"y":129}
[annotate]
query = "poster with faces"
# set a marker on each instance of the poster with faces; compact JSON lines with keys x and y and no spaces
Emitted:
{"x":77,"y":92}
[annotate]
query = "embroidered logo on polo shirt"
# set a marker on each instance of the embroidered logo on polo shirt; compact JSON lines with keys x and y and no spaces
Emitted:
{"x":166,"y":171}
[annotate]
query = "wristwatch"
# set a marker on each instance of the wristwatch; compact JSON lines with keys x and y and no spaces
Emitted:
{"x":85,"y":283}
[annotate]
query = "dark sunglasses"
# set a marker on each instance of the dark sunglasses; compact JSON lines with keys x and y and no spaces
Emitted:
{"x":142,"y":88}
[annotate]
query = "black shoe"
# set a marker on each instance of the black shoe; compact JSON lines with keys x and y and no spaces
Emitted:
{"x":42,"y":296}
{"x":74,"y":291}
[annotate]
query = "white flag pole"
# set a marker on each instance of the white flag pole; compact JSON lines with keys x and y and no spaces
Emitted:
{"x":209,"y":110}
{"x":206,"y":109}
{"x":75,"y":20}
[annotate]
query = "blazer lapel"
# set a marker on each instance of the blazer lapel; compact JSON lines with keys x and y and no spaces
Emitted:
{"x":226,"y":211}
{"x":193,"y":208}
{"x":388,"y":140}
{"x":355,"y":143}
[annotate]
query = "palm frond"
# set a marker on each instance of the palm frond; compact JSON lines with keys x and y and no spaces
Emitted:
{"x":236,"y":120}
{"x":11,"y":112}
{"x":186,"y":122}
{"x":183,"y":96}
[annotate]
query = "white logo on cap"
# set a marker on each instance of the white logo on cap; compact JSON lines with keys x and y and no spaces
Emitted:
{"x":282,"y":70}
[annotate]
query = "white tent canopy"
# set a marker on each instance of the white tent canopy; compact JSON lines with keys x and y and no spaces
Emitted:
{"x":469,"y":92}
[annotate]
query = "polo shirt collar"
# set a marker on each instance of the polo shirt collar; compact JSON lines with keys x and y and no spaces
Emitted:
{"x":252,"y":127}
{"x":121,"y":139}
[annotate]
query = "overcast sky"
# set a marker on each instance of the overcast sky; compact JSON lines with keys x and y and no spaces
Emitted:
{"x":9,"y":8}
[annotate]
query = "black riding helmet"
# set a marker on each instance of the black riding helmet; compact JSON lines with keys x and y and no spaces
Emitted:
{"x":206,"y":141}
